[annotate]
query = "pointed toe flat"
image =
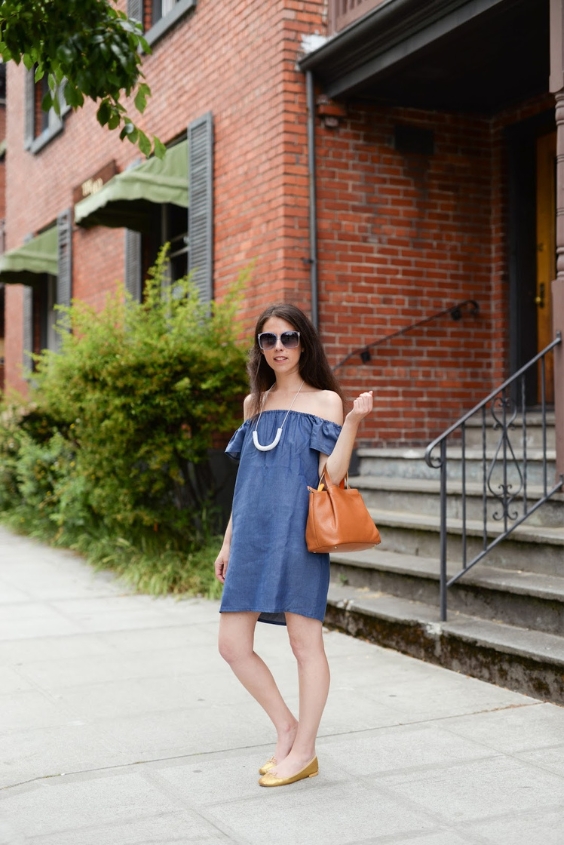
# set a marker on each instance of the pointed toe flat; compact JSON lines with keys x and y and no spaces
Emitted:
{"x":267,"y":766}
{"x":309,"y":771}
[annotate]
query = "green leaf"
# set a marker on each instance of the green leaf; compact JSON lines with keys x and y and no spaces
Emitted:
{"x":47,"y":102}
{"x":114,"y":121}
{"x":73,"y":96}
{"x":159,"y":148}
{"x":144,"y":144}
{"x":140,"y":101}
{"x":104,"y":113}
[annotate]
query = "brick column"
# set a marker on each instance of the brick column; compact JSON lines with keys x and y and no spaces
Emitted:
{"x":557,"y":88}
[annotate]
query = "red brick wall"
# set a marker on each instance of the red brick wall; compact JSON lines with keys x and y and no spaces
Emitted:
{"x":402,"y":236}
{"x":2,"y":163}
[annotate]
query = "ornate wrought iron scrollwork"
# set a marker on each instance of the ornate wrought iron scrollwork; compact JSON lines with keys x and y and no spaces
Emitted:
{"x":504,"y":414}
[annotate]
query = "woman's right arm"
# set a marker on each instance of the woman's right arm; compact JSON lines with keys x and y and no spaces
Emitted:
{"x":222,"y":560}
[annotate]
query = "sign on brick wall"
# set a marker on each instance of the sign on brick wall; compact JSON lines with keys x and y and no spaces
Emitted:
{"x":95,"y":183}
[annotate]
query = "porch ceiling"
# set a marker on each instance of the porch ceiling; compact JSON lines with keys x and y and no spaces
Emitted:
{"x":455,"y":55}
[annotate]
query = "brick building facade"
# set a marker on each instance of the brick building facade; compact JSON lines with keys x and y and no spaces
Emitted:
{"x":427,"y":136}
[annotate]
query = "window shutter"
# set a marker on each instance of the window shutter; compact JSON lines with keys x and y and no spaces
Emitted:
{"x":27,"y":330}
{"x":200,"y":186}
{"x":135,"y":10}
{"x":64,"y":276}
{"x":29,"y":96}
{"x":133,"y":264}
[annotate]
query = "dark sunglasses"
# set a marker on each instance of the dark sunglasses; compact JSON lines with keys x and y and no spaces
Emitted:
{"x":289,"y":340}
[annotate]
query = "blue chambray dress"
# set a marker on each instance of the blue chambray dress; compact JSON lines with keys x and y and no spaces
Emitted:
{"x":270,"y":569}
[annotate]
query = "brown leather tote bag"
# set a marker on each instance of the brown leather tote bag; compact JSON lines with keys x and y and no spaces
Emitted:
{"x":338,"y":520}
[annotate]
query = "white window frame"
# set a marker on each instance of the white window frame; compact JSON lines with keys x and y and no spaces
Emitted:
{"x":177,"y":11}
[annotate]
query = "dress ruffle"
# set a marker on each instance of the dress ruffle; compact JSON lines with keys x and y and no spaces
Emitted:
{"x":235,"y":445}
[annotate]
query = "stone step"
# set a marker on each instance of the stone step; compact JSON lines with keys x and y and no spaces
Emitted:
{"x":531,"y":662}
{"x":422,"y":496}
{"x":533,"y":430}
{"x":529,"y":548}
{"x":525,"y":599}
{"x":410,"y":463}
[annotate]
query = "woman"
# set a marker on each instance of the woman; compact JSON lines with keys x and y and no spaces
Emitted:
{"x":293,"y":427}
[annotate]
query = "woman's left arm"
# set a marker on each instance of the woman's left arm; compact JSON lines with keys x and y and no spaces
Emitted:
{"x":338,"y":461}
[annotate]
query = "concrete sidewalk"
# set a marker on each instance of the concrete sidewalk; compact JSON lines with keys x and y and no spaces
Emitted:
{"x":120,"y":724}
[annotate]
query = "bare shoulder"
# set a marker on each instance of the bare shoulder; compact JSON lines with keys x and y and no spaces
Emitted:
{"x":329,"y":406}
{"x":247,"y":406}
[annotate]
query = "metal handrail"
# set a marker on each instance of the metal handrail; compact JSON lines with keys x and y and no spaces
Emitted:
{"x":455,"y":312}
{"x":504,"y":410}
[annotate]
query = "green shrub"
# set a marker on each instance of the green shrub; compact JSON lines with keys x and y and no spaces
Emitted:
{"x":111,"y":456}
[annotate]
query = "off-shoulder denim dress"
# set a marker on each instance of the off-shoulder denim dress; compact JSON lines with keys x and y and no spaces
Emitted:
{"x":270,"y":570}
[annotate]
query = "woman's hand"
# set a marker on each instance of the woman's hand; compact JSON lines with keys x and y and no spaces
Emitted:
{"x":221,"y":564}
{"x":362,"y":406}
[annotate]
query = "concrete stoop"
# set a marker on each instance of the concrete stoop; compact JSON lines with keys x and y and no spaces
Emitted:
{"x":530,"y":662}
{"x":505,"y":616}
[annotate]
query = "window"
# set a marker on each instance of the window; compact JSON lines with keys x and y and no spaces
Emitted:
{"x":189,"y":231}
{"x":161,"y":8}
{"x":170,"y":224}
{"x":40,"y":126}
{"x":47,"y":296}
{"x":158,"y":16}
{"x":40,"y":117}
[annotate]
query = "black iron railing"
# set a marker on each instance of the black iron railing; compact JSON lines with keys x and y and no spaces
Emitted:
{"x":456,"y":313}
{"x":502,"y":477}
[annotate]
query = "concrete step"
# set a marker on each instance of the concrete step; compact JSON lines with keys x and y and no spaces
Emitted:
{"x":531,"y":662}
{"x":529,"y":548}
{"x":410,"y":463}
{"x":525,"y":599}
{"x":533,"y":430}
{"x":422,"y":496}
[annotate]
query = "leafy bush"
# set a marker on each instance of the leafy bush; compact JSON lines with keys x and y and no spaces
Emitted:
{"x":111,"y":456}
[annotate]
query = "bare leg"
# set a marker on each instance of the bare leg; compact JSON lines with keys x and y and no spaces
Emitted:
{"x":306,"y":638}
{"x":236,"y":641}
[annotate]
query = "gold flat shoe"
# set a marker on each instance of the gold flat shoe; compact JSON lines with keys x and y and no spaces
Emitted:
{"x":310,"y":771}
{"x":267,"y":766}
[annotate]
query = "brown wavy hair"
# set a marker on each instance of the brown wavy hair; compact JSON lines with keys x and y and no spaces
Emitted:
{"x":314,"y":366}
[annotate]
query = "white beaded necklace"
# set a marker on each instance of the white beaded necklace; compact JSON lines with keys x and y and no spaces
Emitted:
{"x":276,"y":440}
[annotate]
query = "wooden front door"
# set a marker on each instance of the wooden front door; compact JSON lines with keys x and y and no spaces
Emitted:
{"x":546,"y":251}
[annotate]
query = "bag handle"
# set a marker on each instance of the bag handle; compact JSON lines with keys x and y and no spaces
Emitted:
{"x":344,"y":483}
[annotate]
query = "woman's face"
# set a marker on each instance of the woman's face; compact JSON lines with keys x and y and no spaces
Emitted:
{"x":280,"y":358}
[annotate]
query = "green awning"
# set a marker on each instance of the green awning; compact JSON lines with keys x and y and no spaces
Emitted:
{"x":26,"y":264}
{"x":128,"y":200}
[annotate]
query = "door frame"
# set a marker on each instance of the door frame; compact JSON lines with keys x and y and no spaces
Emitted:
{"x":521,"y":141}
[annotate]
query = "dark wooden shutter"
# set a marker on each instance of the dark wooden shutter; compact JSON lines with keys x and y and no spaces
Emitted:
{"x":133,"y":264}
{"x":27,"y":330}
{"x":64,"y":275}
{"x":135,"y":9}
{"x":200,"y":187}
{"x":29,"y":96}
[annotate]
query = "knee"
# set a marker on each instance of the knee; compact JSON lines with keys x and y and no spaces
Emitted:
{"x":231,"y":651}
{"x":304,"y":649}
